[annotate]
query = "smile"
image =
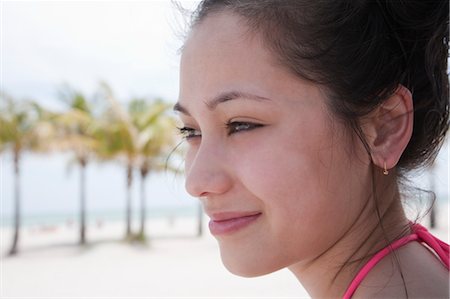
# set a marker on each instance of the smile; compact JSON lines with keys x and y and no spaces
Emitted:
{"x":228,"y":223}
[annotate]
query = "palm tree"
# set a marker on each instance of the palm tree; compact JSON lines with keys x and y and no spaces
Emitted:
{"x":140,"y":136}
{"x":19,"y":131}
{"x":76,"y":132}
{"x":155,"y":139}
{"x":117,"y":139}
{"x":117,"y":143}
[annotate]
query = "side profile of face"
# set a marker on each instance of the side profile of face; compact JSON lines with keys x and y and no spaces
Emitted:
{"x":275,"y":171}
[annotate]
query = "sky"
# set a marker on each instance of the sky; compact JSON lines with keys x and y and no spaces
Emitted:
{"x":132,"y":45}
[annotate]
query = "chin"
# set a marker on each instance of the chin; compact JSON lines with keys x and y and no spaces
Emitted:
{"x":243,"y":272}
{"x":247,"y":267}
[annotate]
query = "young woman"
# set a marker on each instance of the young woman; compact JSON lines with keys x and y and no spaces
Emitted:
{"x":301,"y":118}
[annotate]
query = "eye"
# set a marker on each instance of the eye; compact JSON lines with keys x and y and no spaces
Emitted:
{"x":238,"y":126}
{"x":189,"y":133}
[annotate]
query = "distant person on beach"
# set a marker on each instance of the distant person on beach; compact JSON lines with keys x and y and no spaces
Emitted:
{"x":302,"y":120}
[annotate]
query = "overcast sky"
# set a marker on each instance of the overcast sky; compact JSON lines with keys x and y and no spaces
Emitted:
{"x":131,"y":45}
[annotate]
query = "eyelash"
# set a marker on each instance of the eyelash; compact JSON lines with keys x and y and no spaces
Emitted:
{"x":188,"y":133}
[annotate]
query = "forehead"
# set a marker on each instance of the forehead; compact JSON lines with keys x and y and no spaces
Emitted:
{"x":221,"y":54}
{"x":221,"y":29}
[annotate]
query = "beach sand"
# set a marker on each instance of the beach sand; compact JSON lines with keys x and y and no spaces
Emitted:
{"x":174,"y":263}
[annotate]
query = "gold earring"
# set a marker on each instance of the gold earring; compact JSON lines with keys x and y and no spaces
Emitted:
{"x":385,"y":171}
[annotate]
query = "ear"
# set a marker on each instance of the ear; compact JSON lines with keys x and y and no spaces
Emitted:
{"x":388,"y":128}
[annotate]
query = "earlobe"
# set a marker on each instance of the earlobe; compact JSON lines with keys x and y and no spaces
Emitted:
{"x":389,"y":128}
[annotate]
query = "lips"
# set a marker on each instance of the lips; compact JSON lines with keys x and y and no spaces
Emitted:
{"x":231,"y":222}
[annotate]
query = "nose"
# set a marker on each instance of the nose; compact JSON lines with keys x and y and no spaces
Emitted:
{"x":206,"y":172}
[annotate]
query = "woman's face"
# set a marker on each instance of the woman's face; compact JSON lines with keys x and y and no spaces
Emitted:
{"x":277,"y":175}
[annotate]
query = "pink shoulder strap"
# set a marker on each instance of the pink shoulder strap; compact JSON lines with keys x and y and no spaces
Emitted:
{"x":420,"y":234}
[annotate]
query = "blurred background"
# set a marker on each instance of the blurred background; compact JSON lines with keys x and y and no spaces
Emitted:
{"x":91,"y":183}
{"x":74,"y":59}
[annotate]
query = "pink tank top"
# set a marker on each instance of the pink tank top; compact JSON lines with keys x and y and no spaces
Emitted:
{"x":420,"y":234}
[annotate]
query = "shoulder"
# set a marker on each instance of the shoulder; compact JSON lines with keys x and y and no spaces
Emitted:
{"x":412,"y":272}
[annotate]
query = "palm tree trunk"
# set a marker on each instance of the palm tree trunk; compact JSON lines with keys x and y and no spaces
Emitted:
{"x":200,"y":221}
{"x":433,"y":189}
{"x":433,"y":216}
{"x":128,"y":208}
{"x":17,"y":220}
{"x":82,"y":202}
{"x":143,"y":207}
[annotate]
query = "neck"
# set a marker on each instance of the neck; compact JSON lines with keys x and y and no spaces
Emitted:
{"x":329,"y":274}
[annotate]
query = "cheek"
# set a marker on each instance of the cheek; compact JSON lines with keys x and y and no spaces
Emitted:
{"x":294,"y":171}
{"x":288,"y":185}
{"x":300,"y":184}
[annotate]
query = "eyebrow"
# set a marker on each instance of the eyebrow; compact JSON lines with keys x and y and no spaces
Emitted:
{"x":222,"y":98}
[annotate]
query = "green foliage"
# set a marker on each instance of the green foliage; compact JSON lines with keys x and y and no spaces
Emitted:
{"x":22,"y":125}
{"x":140,"y":135}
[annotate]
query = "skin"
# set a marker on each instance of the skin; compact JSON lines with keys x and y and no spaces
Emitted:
{"x":275,"y":149}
